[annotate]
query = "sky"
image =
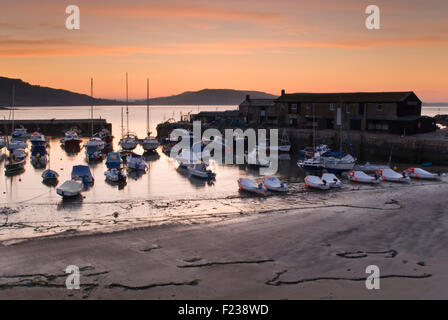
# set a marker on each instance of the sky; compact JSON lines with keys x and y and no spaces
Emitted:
{"x":299,"y":46}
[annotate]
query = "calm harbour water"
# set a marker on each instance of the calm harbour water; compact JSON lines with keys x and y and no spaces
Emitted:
{"x":161,"y":181}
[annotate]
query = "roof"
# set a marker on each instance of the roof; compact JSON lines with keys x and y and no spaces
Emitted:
{"x":257,"y":102}
{"x":348,"y":97}
{"x":226,"y":113}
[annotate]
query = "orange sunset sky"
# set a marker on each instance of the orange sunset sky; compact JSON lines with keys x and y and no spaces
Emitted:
{"x":315,"y":46}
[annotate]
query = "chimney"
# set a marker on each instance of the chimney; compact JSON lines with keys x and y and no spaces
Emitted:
{"x":283,"y":92}
{"x":247,"y":97}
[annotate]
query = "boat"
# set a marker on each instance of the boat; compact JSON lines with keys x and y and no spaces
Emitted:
{"x":135,"y":162}
{"x":93,"y":152}
{"x":274,"y":184}
{"x":95,"y":141}
{"x":250,"y":185}
{"x":149,"y":143}
{"x":253,"y":158}
{"x":16,"y":144}
{"x":368,"y":167}
{"x":12,"y":166}
{"x":362,"y":177}
{"x":186,"y":157}
{"x":39,"y":156}
{"x":82,"y":173}
{"x":200,"y":170}
{"x":71,"y":140}
{"x":115,"y":175}
{"x":316,"y":183}
{"x":313,"y":164}
{"x":2,"y":142}
{"x":70,"y":189}
{"x":418,"y":173}
{"x":393,"y":176}
{"x":19,"y":154}
{"x":285,"y":144}
{"x":20,"y":133}
{"x":130,"y":140}
{"x":338,"y":165}
{"x":332,"y":180}
{"x":106,"y":136}
{"x":37,"y":139}
{"x":306,"y":152}
{"x":50,"y":176}
{"x":113,"y":160}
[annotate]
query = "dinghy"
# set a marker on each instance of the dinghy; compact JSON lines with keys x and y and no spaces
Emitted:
{"x":418,"y":173}
{"x":200,"y":170}
{"x":50,"y":176}
{"x":369,"y":167}
{"x":274,"y":184}
{"x":332,"y":180}
{"x":135,"y":162}
{"x":83,"y":174}
{"x":115,"y":175}
{"x":69,"y":189}
{"x":362,"y":177}
{"x":316,"y":183}
{"x":393,"y":176}
{"x":250,"y":185}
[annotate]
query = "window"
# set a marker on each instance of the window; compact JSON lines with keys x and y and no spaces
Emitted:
{"x":294,"y":108}
{"x":379,"y":107}
{"x":308,"y":106}
{"x":332,"y":107}
{"x":347,"y":108}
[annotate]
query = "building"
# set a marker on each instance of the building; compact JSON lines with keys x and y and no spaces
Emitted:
{"x":389,"y":112}
{"x":228,"y":117}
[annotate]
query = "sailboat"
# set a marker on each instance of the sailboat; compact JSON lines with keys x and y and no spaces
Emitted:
{"x":50,"y":176}
{"x":12,"y":166}
{"x":130,"y":140}
{"x":95,"y":144}
{"x":19,"y":135}
{"x":313,"y":164}
{"x":149,"y":143}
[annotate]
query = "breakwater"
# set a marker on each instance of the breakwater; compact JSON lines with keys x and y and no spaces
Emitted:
{"x":57,"y":127}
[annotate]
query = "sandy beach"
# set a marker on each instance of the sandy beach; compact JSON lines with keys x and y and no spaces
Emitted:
{"x":317,"y":247}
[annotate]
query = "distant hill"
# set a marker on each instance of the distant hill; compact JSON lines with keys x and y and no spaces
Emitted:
{"x":32,"y":95}
{"x":435,"y":104}
{"x":209,"y":97}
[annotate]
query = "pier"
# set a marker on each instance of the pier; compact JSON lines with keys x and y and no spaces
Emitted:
{"x":57,"y":127}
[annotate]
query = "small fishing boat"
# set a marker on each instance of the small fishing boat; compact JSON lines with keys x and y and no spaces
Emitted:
{"x":316,"y":183}
{"x":135,"y":162}
{"x":93,"y":152}
{"x":50,"y":176}
{"x":113,"y":160}
{"x":393,"y":176}
{"x":253,"y":158}
{"x":37,"y":139}
{"x":70,"y":189}
{"x":368,"y":167}
{"x":39,"y":156}
{"x":83,"y":174}
{"x":200,"y":170}
{"x":274,"y":184}
{"x":418,"y":173}
{"x":16,"y":144}
{"x":19,"y":154}
{"x":250,"y":185}
{"x":362,"y":177}
{"x":115,"y":175}
{"x":71,"y":140}
{"x":332,"y":180}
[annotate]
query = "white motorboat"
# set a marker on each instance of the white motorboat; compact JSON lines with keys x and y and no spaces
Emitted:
{"x":115,"y":175}
{"x":200,"y":170}
{"x":274,"y":184}
{"x":393,"y":176}
{"x":338,"y":165}
{"x":135,"y":162}
{"x":69,"y":189}
{"x":253,"y":158}
{"x":362,"y":177}
{"x":250,"y":185}
{"x":16,"y":144}
{"x":332,"y":180}
{"x":186,"y":158}
{"x":369,"y":167}
{"x":316,"y":183}
{"x":418,"y":173}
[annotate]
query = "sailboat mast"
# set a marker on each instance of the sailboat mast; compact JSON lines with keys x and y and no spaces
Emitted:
{"x":91,"y":107}
{"x":122,"y":129}
{"x":314,"y":130}
{"x":127,"y":105}
{"x":147,"y":106}
{"x":12,"y":105}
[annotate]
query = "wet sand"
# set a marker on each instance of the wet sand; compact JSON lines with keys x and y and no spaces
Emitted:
{"x":303,"y":246}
